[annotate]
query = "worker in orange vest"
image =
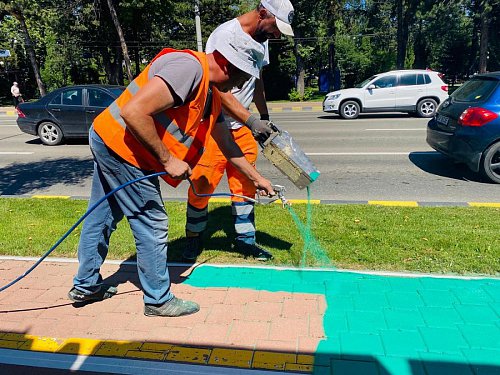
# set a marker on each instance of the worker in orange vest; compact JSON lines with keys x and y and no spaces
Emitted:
{"x":270,"y":19}
{"x":161,"y":122}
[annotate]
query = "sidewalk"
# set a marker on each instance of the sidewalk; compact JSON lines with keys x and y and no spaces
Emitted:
{"x":320,"y":321}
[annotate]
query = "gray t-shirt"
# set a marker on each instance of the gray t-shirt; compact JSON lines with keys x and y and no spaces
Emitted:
{"x":183,"y":74}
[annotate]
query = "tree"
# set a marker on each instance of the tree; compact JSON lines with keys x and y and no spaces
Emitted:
{"x":123,"y":44}
{"x":18,"y":10}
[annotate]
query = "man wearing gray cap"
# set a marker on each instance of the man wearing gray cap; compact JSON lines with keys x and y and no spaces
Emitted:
{"x":269,"y":19}
{"x":161,"y":123}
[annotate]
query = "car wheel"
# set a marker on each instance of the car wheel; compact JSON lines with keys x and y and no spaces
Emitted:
{"x":426,"y":107}
{"x":349,"y":110}
{"x":50,"y":134}
{"x":490,"y":163}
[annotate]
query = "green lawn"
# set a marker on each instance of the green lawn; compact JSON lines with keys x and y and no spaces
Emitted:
{"x":463,"y":240}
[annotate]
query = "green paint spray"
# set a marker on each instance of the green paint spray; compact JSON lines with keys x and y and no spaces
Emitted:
{"x":312,"y":249}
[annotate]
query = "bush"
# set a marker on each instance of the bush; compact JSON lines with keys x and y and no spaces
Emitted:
{"x":294,"y":95}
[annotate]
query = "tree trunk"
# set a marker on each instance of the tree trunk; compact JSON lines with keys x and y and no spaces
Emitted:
{"x":401,"y":48}
{"x":483,"y":44}
{"x":28,"y":44}
{"x":123,"y":44}
{"x":333,"y":15}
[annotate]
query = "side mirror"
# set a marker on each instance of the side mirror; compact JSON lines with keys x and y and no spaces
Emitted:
{"x":371,"y":87}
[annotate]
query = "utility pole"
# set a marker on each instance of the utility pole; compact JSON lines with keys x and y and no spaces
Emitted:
{"x":198,"y":25}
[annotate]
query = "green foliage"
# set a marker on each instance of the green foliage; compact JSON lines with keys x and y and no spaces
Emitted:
{"x":295,"y":96}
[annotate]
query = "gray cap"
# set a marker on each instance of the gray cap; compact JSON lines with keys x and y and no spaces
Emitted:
{"x":241,"y":50}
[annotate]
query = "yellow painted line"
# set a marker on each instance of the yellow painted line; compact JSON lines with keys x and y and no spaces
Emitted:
{"x":479,"y":204}
{"x":272,"y":361}
{"x":394,"y":203}
{"x":145,"y":355}
{"x":156,"y":347}
{"x":278,"y":109}
{"x":296,"y":108}
{"x":51,"y":196}
{"x":117,"y":348}
{"x":298,"y":367}
{"x":239,"y":358}
{"x":222,"y":200}
{"x":191,"y":355}
{"x":317,"y":108}
{"x":8,"y":344}
{"x":80,"y":346}
{"x":40,"y":344}
{"x":231,"y":357}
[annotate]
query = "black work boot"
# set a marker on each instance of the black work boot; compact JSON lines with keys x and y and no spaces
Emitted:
{"x":255,"y":251}
{"x":194,"y":245}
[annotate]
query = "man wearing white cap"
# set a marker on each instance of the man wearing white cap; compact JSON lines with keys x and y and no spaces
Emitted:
{"x":16,"y":94}
{"x":269,"y":19}
{"x":160,"y":123}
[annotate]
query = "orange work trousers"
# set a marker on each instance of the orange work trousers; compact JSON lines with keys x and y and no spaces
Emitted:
{"x":212,"y":165}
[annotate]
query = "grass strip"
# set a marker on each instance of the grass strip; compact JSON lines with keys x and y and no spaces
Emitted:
{"x":461,"y":240}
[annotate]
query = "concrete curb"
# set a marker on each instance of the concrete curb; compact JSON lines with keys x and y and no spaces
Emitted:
{"x":298,"y":201}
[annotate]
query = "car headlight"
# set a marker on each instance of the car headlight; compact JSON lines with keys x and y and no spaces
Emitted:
{"x":332,"y":97}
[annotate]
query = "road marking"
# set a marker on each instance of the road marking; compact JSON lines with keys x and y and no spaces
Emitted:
{"x":368,"y":153}
{"x":15,"y":153}
{"x":394,"y":203}
{"x":380,"y":130}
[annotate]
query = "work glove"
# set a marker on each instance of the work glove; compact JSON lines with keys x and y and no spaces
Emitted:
{"x":261,"y":129}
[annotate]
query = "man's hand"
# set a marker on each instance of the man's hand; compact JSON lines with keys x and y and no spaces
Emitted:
{"x":261,"y":129}
{"x":177,"y":169}
{"x":264,"y":187}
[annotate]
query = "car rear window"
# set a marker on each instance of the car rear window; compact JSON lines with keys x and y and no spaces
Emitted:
{"x":475,"y":90}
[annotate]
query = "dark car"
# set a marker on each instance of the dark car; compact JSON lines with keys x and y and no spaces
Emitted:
{"x":65,"y":113}
{"x":467,"y":125}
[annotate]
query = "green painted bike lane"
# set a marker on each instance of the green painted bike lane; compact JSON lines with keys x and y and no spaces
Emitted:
{"x":388,"y":324}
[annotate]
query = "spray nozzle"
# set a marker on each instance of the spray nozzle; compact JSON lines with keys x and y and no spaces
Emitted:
{"x":280,"y":192}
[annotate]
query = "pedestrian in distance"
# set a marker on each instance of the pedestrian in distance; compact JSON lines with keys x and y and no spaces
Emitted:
{"x":269,"y":19}
{"x":16,"y":94}
{"x":161,"y":123}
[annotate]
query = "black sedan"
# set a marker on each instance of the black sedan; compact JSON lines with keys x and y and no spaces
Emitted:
{"x":65,"y":113}
{"x":467,"y":126}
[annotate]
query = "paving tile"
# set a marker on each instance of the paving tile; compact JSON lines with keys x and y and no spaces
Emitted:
{"x":441,"y":317}
{"x":362,"y":345}
{"x":343,"y":366}
{"x":402,"y":343}
{"x":209,"y":334}
{"x":289,"y":329}
{"x":443,"y":340}
{"x":405,"y":300}
{"x":225,"y":313}
{"x":267,"y":311}
{"x":403,"y":319}
{"x":248,"y":333}
{"x":231,"y":357}
{"x":477,"y":314}
{"x":316,"y":326}
{"x":438,"y":298}
{"x":366,"y":321}
{"x":191,"y":355}
{"x":172,"y":335}
{"x":297,"y":309}
{"x":335,"y":322}
{"x":289,"y":346}
{"x":481,"y":336}
{"x":370,"y":301}
{"x":472,"y":296}
{"x":272,"y":360}
{"x":238,"y":297}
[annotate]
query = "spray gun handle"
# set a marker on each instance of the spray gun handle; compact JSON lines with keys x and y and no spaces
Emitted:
{"x":280,"y":191}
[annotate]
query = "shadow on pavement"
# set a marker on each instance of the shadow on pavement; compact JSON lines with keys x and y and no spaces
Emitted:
{"x":26,"y":178}
{"x":440,"y":165}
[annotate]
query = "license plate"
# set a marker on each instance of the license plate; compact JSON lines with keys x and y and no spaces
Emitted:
{"x":443,"y":119}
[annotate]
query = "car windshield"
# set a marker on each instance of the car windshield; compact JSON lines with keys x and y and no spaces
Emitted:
{"x":362,"y":84}
{"x":117,"y":90}
{"x":476,"y":90}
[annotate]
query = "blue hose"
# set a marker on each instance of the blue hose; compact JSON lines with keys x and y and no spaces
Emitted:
{"x":94,"y":206}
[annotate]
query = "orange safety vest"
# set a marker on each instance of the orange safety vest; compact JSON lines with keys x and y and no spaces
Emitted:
{"x":182,"y":129}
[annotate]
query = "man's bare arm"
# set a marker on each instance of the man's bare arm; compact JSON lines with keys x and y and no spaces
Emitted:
{"x":152,"y":98}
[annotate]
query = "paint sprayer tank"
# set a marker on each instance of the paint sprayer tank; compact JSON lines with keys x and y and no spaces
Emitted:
{"x":286,"y":155}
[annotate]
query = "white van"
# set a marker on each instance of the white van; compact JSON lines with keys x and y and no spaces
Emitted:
{"x":417,"y":92}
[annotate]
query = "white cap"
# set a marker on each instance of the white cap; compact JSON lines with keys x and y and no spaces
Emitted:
{"x":283,"y":11}
{"x":14,"y":83}
{"x":241,"y":50}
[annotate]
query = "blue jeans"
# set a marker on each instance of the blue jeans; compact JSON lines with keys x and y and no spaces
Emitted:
{"x":142,"y":204}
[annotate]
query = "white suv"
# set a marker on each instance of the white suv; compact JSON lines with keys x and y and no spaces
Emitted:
{"x":413,"y":91}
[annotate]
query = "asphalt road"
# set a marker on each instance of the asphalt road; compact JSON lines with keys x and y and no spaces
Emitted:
{"x":376,"y":157}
